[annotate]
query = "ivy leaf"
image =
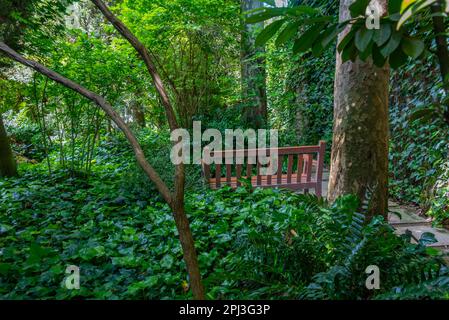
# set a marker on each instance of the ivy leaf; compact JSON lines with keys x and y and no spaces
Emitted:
{"x":269,"y":31}
{"x":412,"y":47}
{"x":135,"y":288}
{"x":427,"y":238}
{"x":167,"y":261}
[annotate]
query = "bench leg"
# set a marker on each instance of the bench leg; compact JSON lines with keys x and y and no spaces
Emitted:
{"x":318,"y":190}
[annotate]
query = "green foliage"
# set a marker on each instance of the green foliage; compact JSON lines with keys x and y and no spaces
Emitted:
{"x":300,"y":95}
{"x":419,"y":145}
{"x":394,"y":41}
{"x":90,"y":205}
{"x":259,"y":244}
{"x":27,"y":141}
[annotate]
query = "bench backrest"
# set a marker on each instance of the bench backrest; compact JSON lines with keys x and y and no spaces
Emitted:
{"x":299,"y":168}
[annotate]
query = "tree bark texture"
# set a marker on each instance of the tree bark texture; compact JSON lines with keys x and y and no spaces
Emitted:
{"x":361,"y":131}
{"x":8,"y":166}
{"x":253,"y":72}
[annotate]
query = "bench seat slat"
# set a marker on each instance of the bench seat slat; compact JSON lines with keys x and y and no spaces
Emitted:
{"x":307,"y":175}
{"x":264,"y":181}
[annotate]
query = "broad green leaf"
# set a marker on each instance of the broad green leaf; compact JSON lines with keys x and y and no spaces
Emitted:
{"x":290,"y":30}
{"x":259,"y":17}
{"x":269,"y":31}
{"x":301,"y":10}
{"x":421,"y":113}
{"x":382,"y":35}
{"x":412,"y":47}
{"x":317,"y":48}
{"x":349,"y":52}
{"x":394,"y":6}
{"x":392,"y":44}
{"x":316,"y":20}
{"x":331,"y":33}
{"x":363,"y":38}
{"x":346,"y":40}
{"x":367,"y":53}
{"x":398,"y":58}
{"x":305,"y":42}
{"x":378,"y":59}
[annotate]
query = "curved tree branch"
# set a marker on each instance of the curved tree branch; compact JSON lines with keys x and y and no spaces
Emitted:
{"x":146,"y":57}
{"x":107,"y":108}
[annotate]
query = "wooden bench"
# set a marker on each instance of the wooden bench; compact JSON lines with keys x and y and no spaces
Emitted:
{"x":299,"y":168}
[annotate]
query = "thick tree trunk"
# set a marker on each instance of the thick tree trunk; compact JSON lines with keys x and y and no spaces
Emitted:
{"x":253,"y":73}
{"x":361,"y":132}
{"x":8,"y":167}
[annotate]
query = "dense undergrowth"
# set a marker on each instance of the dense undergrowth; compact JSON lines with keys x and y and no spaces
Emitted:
{"x":252,"y":243}
{"x":419,"y":149}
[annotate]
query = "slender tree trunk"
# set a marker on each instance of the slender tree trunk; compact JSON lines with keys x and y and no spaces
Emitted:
{"x":301,"y":123}
{"x":361,"y":132}
{"x":253,"y":72}
{"x":188,"y":249}
{"x":8,"y":167}
{"x":138,"y":114}
{"x":175,"y":200}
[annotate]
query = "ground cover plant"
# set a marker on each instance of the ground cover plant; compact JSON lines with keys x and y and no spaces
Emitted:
{"x":93,"y":94}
